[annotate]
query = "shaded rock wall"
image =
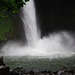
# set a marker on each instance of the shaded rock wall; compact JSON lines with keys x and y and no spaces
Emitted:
{"x":55,"y":15}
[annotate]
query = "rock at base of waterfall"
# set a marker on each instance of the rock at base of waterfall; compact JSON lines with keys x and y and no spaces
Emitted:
{"x":1,"y":61}
{"x":4,"y":70}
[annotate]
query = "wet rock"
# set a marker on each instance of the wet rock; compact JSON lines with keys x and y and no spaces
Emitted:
{"x":4,"y":70}
{"x":1,"y":61}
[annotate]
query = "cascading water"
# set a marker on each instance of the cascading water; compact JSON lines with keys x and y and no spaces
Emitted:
{"x":60,"y":44}
{"x":29,"y":19}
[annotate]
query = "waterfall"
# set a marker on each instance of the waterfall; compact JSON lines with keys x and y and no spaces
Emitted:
{"x":29,"y":20}
{"x":57,"y":44}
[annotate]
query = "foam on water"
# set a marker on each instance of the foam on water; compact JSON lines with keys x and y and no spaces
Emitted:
{"x":52,"y":46}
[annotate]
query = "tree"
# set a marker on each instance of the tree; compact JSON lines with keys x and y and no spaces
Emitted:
{"x":12,"y":5}
{"x":6,"y":26}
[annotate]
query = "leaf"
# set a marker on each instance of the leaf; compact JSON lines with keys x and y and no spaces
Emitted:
{"x":26,"y":0}
{"x":11,"y":5}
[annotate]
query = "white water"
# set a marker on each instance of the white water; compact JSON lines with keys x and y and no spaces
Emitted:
{"x":29,"y":19}
{"x":59,"y":44}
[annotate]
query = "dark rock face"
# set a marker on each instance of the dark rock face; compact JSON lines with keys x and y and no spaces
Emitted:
{"x":42,"y":13}
{"x":4,"y":70}
{"x":55,"y":15}
{"x":19,"y":28}
{"x":2,"y":62}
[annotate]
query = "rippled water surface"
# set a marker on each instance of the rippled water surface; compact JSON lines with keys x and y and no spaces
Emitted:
{"x":28,"y":62}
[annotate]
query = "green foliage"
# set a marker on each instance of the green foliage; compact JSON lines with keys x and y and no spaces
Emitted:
{"x":12,"y":5}
{"x":26,"y":0}
{"x":1,"y":17}
{"x":6,"y":28}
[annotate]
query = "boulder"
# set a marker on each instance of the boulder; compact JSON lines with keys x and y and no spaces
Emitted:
{"x":4,"y":70}
{"x":1,"y":61}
